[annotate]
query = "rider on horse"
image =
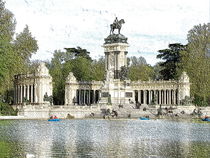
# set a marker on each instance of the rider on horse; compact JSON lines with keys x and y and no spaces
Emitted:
{"x":115,"y":21}
{"x":116,"y":25}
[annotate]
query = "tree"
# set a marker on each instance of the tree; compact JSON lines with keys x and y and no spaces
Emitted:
{"x":171,"y":57}
{"x":98,"y":69}
{"x":157,"y":69}
{"x":78,"y":52}
{"x":11,"y":60}
{"x":78,"y":61}
{"x":197,"y":64}
{"x":140,"y":72}
{"x":138,"y":61}
{"x":25,"y":45}
{"x":56,"y":71}
{"x":139,"y":69}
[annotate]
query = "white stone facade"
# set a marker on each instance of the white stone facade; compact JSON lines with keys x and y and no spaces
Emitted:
{"x":31,"y":88}
{"x":114,"y":90}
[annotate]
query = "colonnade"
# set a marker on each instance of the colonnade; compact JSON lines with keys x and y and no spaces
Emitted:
{"x":86,"y":97}
{"x":167,"y":97}
{"x":24,"y":93}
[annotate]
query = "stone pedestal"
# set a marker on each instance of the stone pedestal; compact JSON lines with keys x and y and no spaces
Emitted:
{"x":115,"y":88}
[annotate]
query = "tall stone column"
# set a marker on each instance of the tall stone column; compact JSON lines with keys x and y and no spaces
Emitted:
{"x":149,"y":94}
{"x":35,"y":93}
{"x":151,"y":98}
{"x":145,"y":97}
{"x":164,"y":96}
{"x":79,"y":96}
{"x":174,"y":97}
{"x":28,"y":91}
{"x":177,"y":97}
{"x":25,"y":92}
{"x":84,"y":97}
{"x":21,"y":94}
{"x":89,"y":97}
{"x":94,"y":100}
{"x":169,"y":97}
{"x":159,"y":92}
{"x":32,"y":93}
{"x":139,"y":99}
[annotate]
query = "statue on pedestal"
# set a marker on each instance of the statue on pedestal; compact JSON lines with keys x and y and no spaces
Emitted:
{"x":116,"y":25}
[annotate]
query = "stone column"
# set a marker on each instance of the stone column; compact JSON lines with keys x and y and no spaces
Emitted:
{"x":28,"y":90}
{"x":89,"y":97}
{"x":25,"y":92}
{"x":169,"y":97}
{"x":35,"y":93}
{"x":21,"y":94}
{"x":94,"y":100}
{"x":152,"y":96}
{"x":174,"y":97}
{"x":84,"y":96}
{"x":81,"y":96}
{"x":177,"y":97}
{"x":145,"y":97}
{"x":149,"y":94}
{"x":78,"y":92}
{"x":18,"y":99}
{"x":32,"y":94}
{"x":15,"y":95}
{"x":164,"y":96}
{"x":159,"y":92}
{"x":139,"y":99}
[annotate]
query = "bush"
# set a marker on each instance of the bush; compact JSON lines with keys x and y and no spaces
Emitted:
{"x":198,"y":100}
{"x":6,"y":109}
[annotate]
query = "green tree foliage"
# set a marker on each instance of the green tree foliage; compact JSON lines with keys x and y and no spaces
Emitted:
{"x":25,"y":45}
{"x":56,"y":71}
{"x":171,"y":59}
{"x":197,"y":64}
{"x":14,"y":52}
{"x":5,"y":109}
{"x":82,"y":66}
{"x":78,"y":52}
{"x":98,"y":69}
{"x":140,"y":70}
{"x":157,"y":69}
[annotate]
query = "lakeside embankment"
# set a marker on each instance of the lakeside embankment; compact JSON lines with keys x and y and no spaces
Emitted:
{"x":115,"y":112}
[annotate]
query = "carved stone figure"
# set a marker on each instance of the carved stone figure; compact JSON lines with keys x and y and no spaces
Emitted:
{"x":123,"y":73}
{"x":116,"y":25}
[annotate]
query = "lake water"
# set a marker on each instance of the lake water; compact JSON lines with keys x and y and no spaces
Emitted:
{"x":104,"y":138}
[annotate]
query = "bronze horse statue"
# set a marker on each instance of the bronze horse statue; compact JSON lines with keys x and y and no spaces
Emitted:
{"x":116,"y":25}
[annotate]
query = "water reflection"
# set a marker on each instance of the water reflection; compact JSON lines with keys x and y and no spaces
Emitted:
{"x":104,"y":138}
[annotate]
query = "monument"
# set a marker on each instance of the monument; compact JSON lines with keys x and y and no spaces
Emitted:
{"x":116,"y":89}
{"x":116,"y":84}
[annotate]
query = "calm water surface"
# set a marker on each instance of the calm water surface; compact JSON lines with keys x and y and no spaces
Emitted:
{"x":104,"y":138}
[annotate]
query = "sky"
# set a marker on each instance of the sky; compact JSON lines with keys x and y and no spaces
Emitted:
{"x":150,"y":25}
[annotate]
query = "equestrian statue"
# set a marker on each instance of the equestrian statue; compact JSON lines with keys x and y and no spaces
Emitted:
{"x":116,"y":25}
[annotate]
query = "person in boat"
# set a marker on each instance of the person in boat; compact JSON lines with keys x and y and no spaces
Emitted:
{"x":55,"y":117}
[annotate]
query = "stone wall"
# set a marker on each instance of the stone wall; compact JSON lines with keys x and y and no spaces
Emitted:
{"x":44,"y":112}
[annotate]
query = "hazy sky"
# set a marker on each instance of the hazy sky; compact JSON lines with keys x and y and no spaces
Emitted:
{"x":150,"y":25}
